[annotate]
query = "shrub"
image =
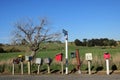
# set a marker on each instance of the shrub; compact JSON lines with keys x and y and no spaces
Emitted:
{"x":13,"y":49}
{"x":1,"y":50}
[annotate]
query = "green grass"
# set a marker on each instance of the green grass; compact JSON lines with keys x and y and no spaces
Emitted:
{"x":53,"y":49}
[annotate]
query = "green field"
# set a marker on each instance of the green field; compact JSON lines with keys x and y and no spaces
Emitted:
{"x":53,"y":49}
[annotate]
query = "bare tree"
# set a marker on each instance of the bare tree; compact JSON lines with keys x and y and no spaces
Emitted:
{"x":33,"y":34}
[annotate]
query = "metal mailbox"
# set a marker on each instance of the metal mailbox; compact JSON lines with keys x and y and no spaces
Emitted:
{"x":73,"y":55}
{"x":28,"y":58}
{"x":16,"y":61}
{"x":38,"y":61}
{"x":21,"y":58}
{"x":47,"y":60}
{"x":106,"y":55}
{"x":58,"y":57}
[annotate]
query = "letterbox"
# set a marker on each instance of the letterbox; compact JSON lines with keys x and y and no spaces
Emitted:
{"x":106,"y":55}
{"x":38,"y":61}
{"x":73,"y":55}
{"x":88,"y":56}
{"x":58,"y":57}
{"x":15,"y":61}
{"x":47,"y":60}
{"x":21,"y":58}
{"x":28,"y":58}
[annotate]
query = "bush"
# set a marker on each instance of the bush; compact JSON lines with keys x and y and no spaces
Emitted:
{"x":1,"y":50}
{"x":13,"y":49}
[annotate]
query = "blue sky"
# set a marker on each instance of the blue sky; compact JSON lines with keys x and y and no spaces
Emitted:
{"x":81,"y":18}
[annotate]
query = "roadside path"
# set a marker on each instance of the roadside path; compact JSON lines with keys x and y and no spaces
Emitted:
{"x":61,"y":77}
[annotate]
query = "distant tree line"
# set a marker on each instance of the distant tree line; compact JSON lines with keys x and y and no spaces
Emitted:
{"x":96,"y":42}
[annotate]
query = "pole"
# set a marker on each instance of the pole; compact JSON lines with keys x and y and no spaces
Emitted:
{"x":78,"y":61}
{"x":28,"y":67}
{"x":62,"y":70}
{"x":21,"y":67}
{"x":66,"y":50}
{"x":13,"y":69}
{"x":107,"y":66}
{"x":66,"y":44}
{"x":48,"y":68}
{"x":89,"y":68}
{"x":38,"y":69}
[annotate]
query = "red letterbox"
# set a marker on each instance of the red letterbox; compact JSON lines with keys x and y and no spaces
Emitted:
{"x":106,"y":55}
{"x":58,"y":57}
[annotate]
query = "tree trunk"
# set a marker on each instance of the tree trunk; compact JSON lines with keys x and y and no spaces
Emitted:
{"x":33,"y":54}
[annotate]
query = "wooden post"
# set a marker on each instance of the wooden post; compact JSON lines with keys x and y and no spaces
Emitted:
{"x":21,"y":67}
{"x":13,"y":69}
{"x":48,"y":68}
{"x":62,"y":67}
{"x":29,"y":68}
{"x":38,"y":69}
{"x":89,"y":67}
{"x":78,"y":61}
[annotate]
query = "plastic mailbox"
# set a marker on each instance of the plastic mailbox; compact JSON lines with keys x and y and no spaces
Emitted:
{"x":58,"y":57}
{"x":106,"y":55}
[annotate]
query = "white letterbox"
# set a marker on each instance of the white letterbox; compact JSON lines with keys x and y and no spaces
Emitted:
{"x":38,"y":61}
{"x":88,"y":56}
{"x":27,"y":58}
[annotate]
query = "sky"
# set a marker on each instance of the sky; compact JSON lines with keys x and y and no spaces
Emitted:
{"x":81,"y":18}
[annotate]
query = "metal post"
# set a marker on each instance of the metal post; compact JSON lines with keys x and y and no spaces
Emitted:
{"x":66,"y":44}
{"x":66,"y":49}
{"x":107,"y":66}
